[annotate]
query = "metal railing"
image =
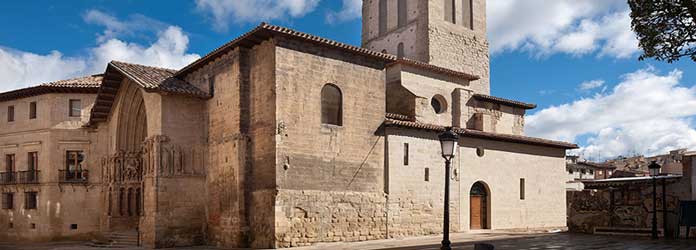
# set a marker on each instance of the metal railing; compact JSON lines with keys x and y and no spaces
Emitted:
{"x":28,"y":177}
{"x":20,"y":177}
{"x":73,"y":176}
{"x":8,"y":178}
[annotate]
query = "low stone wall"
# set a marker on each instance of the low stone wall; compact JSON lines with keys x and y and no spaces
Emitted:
{"x":628,"y":206}
{"x":307,"y":217}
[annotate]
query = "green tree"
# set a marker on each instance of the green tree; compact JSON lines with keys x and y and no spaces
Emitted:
{"x":666,"y":29}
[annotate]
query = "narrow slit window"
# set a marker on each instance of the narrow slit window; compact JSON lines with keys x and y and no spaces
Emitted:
{"x":427,"y":174}
{"x":522,"y":188}
{"x":468,"y":13}
{"x":211,"y":86}
{"x":32,"y":110}
{"x":75,"y":108}
{"x":10,"y":114}
{"x":405,"y":154}
{"x":403,"y":12}
{"x":382,"y":17}
{"x":450,"y":11}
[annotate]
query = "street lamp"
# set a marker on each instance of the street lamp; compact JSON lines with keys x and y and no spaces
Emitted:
{"x":654,"y":172}
{"x":448,"y":142}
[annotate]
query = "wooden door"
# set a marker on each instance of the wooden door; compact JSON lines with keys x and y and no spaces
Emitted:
{"x":476,"y":210}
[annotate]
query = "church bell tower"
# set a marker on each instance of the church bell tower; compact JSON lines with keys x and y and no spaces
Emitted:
{"x":446,"y":33}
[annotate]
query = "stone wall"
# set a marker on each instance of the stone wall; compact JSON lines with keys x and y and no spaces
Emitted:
{"x":305,"y":217}
{"x":626,"y":206}
{"x":324,"y":162}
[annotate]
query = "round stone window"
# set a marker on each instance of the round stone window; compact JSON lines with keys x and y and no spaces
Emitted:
{"x":480,"y":151}
{"x":439,"y":104}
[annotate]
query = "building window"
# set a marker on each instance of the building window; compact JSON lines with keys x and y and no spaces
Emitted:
{"x":8,"y":201}
{"x":9,"y":163}
{"x":32,"y":166}
{"x":32,"y":110}
{"x":439,"y":104}
{"x":400,"y":50}
{"x":382,"y":17}
{"x":468,"y":13}
{"x":570,"y":171}
{"x":30,"y":200}
{"x":402,"y":8}
{"x":211,"y":85}
{"x":522,"y":187}
{"x":591,"y":171}
{"x":75,"y":108}
{"x":10,"y":113}
{"x":405,"y":154}
{"x":331,"y":105}
{"x":427,"y":174}
{"x":449,"y":11}
{"x":73,"y":165}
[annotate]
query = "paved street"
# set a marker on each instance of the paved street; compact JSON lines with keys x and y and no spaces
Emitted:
{"x":501,"y":241}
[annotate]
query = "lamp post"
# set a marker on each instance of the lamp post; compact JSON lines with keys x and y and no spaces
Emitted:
{"x":654,"y":172}
{"x":448,"y":142}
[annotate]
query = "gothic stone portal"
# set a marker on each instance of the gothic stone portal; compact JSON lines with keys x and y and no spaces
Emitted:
{"x":123,"y":173}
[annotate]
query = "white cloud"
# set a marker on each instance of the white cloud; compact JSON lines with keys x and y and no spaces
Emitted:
{"x":351,"y":9}
{"x":224,"y":12}
{"x":588,"y":85}
{"x":646,"y":112}
{"x":133,"y":24}
{"x":561,"y":26}
{"x":18,"y":68}
{"x":21,"y":69}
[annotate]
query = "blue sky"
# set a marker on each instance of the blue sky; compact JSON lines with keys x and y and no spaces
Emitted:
{"x":542,"y":56}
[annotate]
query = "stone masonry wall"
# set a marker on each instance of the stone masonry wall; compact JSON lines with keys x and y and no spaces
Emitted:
{"x":306,"y":217}
{"x":328,"y":164}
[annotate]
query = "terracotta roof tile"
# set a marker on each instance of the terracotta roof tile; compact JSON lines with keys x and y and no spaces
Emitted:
{"x":157,"y":79}
{"x":85,"y":84}
{"x":481,"y":134}
{"x":504,"y":101}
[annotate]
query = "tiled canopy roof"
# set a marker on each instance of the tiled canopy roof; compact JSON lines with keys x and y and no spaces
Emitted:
{"x":265,"y":31}
{"x":154,"y":79}
{"x":504,"y":101}
{"x":85,"y":84}
{"x":479,"y":134}
{"x":151,"y":79}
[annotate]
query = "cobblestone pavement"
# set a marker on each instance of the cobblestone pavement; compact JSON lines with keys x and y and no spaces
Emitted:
{"x":501,"y":241}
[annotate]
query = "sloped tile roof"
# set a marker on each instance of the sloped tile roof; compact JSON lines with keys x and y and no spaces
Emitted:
{"x":93,"y":81}
{"x":488,"y":98}
{"x":480,"y":134}
{"x":85,"y":84}
{"x":157,"y":79}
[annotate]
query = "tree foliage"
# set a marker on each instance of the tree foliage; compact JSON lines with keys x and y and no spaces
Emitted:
{"x":666,"y":29}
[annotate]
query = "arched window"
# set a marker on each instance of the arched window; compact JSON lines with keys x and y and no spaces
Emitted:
{"x":400,"y":50}
{"x":402,"y":10}
{"x":108,"y":212}
{"x":331,"y":105}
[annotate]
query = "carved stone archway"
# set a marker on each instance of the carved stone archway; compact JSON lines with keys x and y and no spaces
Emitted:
{"x":124,"y":171}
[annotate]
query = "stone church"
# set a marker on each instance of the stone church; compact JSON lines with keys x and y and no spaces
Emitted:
{"x":280,"y":138}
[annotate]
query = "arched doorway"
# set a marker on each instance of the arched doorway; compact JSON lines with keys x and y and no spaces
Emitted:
{"x":478,"y":206}
{"x":125,"y":165}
